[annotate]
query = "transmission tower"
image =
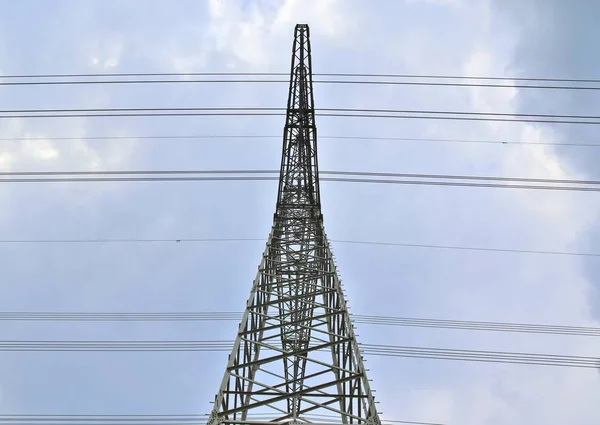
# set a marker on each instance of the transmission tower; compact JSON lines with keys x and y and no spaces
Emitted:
{"x":295,"y":358}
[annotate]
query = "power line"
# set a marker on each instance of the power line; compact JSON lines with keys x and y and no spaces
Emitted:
{"x":24,"y":420}
{"x":286,"y":74}
{"x":32,"y":419}
{"x":273,"y":114}
{"x":86,"y":241}
{"x":461,"y":184}
{"x":133,"y":172}
{"x":269,"y":108}
{"x":457,"y":177}
{"x":262,"y":81}
{"x":369,"y":349}
{"x":273,"y":178}
{"x":495,"y":142}
{"x":460,"y":77}
{"x":138,"y":179}
{"x":74,"y":415}
{"x":482,"y":356}
{"x":354,"y":242}
{"x":323,"y":172}
{"x":326,"y":112}
{"x":470,"y":248}
{"x":400,"y":139}
{"x":356,"y":318}
{"x":261,"y":178}
{"x":88,"y":420}
{"x":478,"y":325}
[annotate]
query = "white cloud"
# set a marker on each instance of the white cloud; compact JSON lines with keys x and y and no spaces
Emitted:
{"x":537,"y":395}
{"x":41,"y":150}
{"x":34,"y":150}
{"x":327,"y":17}
{"x":106,"y":52}
{"x":4,"y":407}
{"x":27,"y":148}
{"x":253,"y":34}
{"x":437,"y":2}
{"x":572,"y":213}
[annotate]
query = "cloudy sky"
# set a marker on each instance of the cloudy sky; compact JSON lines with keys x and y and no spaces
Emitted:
{"x":532,"y":38}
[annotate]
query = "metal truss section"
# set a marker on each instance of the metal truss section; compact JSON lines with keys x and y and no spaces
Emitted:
{"x":296,"y":357}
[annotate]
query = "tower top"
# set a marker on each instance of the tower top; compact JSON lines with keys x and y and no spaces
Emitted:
{"x":299,"y":174}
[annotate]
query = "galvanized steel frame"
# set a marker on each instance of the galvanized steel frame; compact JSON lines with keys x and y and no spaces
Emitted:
{"x":296,"y":309}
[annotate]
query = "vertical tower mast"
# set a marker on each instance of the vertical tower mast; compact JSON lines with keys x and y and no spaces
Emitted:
{"x":295,"y":358}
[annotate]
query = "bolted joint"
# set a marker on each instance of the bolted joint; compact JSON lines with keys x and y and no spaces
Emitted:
{"x":215,"y":419}
{"x":373,"y":420}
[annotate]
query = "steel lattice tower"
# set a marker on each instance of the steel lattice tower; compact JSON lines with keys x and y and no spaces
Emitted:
{"x":295,"y":358}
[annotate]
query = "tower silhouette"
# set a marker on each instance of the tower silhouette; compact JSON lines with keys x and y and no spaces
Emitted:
{"x":296,"y":358}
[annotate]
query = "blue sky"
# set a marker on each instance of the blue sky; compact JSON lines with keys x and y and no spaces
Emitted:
{"x":456,"y":37}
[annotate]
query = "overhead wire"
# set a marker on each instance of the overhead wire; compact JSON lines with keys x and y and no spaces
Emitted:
{"x":315,"y":81}
{"x":477,"y":325}
{"x":354,"y":242}
{"x":253,"y":76}
{"x":276,"y":108}
{"x":258,"y":175}
{"x":318,"y":74}
{"x":467,"y":248}
{"x":368,"y":349}
{"x":321,"y":137}
{"x":139,"y":419}
{"x":482,"y":356}
{"x":325,"y":179}
{"x":326,"y":112}
{"x":528,"y":328}
{"x":323,"y":172}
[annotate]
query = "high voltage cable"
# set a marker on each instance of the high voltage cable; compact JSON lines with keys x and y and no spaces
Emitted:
{"x":457,"y":177}
{"x":477,"y":325}
{"x":273,"y":114}
{"x":131,"y":240}
{"x":468,"y":248}
{"x":400,"y":139}
{"x":327,"y":112}
{"x":32,"y":419}
{"x":153,"y":419}
{"x":356,"y":318}
{"x":370,"y":349}
{"x":286,"y":74}
{"x":281,"y":109}
{"x":159,"y":176}
{"x":324,"y":172}
{"x":325,"y":179}
{"x":482,"y":356}
{"x":354,"y":242}
{"x":317,"y":81}
{"x":143,"y":419}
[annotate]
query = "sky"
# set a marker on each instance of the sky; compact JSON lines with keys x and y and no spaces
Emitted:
{"x":537,"y":38}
